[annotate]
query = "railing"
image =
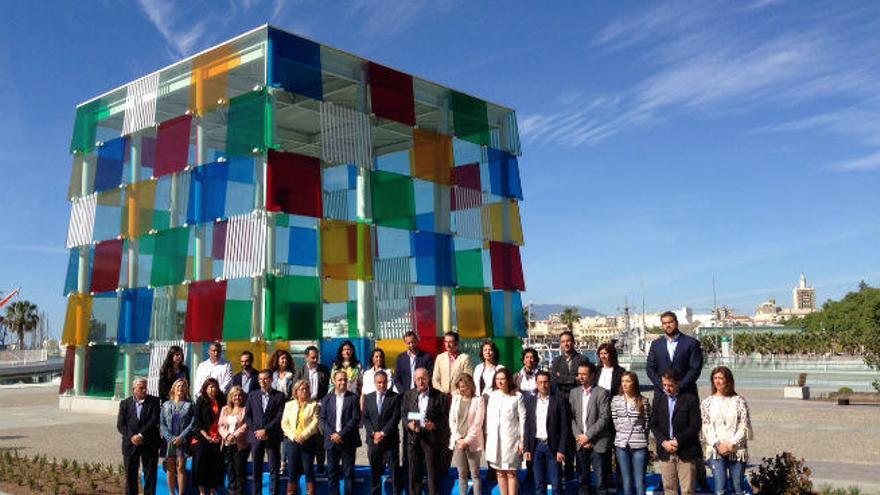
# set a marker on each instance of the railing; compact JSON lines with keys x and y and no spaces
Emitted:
{"x":21,"y":357}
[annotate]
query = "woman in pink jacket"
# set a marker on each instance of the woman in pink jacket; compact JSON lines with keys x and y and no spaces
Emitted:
{"x":233,"y":431}
{"x":466,"y":427}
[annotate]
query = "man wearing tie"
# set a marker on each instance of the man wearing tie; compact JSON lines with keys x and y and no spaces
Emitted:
{"x":263,"y":413}
{"x":381,"y":419}
{"x":426,"y":415}
{"x":592,"y":430}
{"x":340,"y":421}
{"x":247,"y":377}
{"x":138,"y":423}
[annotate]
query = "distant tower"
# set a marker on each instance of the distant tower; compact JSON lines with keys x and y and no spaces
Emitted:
{"x":803,"y":297}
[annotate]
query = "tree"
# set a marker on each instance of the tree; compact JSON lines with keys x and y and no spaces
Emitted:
{"x":21,"y":317}
{"x":569,"y":317}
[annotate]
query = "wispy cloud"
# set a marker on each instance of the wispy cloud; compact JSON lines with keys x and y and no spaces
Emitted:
{"x":391,"y":17}
{"x":34,"y":248}
{"x":870,"y":162}
{"x":712,"y":60}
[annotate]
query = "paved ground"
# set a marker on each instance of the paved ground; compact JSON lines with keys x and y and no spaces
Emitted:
{"x":840,"y":444}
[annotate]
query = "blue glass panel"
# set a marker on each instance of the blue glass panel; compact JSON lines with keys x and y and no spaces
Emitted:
{"x":466,"y":152}
{"x":111,"y":157}
{"x":504,"y":174}
{"x":134,"y":316}
{"x":425,"y":222}
{"x":295,"y":64}
{"x":496,"y":298}
{"x":519,"y":322}
{"x":207,"y":193}
{"x":303,"y":247}
{"x":434,"y":259}
{"x":329,"y":347}
{"x":241,"y":169}
{"x":394,"y":162}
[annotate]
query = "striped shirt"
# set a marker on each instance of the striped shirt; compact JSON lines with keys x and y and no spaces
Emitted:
{"x":631,"y":430}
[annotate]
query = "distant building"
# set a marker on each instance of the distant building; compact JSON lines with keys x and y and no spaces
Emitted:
{"x":803,"y":298}
{"x":803,"y":303}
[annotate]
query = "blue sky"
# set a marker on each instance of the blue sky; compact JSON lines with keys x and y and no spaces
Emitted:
{"x":663,"y":143}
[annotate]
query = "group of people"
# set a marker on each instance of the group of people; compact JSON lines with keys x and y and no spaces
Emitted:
{"x":445,"y":411}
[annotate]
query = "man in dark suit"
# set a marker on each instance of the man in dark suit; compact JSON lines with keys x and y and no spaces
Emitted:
{"x":677,"y":351}
{"x":425,"y":412}
{"x":138,"y":423}
{"x":592,"y":430}
{"x":381,"y":420}
{"x":547,"y":426}
{"x":340,"y":421}
{"x":563,"y":378}
{"x":318,"y":377}
{"x":675,"y":423}
{"x":265,"y":407}
{"x":411,"y":360}
{"x":247,"y":377}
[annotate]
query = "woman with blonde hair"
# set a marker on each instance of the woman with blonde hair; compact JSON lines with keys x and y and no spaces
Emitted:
{"x":302,"y":436}
{"x":175,"y":425}
{"x":727,"y":429}
{"x":505,"y":430}
{"x":466,"y":428}
{"x":233,"y":431}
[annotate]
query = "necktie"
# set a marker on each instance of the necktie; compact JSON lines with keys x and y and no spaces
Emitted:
{"x":379,"y":404}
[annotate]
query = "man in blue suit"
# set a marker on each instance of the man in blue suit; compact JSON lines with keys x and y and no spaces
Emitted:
{"x":677,"y":351}
{"x":408,"y":362}
{"x":263,"y":417}
{"x":340,"y":421}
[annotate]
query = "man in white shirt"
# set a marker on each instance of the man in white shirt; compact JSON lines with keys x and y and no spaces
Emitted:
{"x":340,"y":420}
{"x":547,"y":426}
{"x":592,"y":430}
{"x":425,"y":413}
{"x":215,"y":367}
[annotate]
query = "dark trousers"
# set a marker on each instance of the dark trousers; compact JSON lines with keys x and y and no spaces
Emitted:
{"x":300,"y":460}
{"x":385,"y":454}
{"x":237,"y":459}
{"x":547,"y":470}
{"x":424,"y":458}
{"x":146,"y":459}
{"x":345,"y":455}
{"x":601,"y":464}
{"x":273,"y":452}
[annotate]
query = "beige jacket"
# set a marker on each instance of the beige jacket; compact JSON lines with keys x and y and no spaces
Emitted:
{"x":444,"y":377}
{"x":288,"y":419}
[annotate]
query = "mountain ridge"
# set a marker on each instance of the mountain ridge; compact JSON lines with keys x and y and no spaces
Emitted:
{"x":543,"y":311}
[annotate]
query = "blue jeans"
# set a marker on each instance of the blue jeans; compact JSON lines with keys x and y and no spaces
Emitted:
{"x":601,"y":465}
{"x":720,"y":468}
{"x":547,"y":470}
{"x":632,"y":464}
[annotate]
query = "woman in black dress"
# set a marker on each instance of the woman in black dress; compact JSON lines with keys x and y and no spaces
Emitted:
{"x":172,"y":369}
{"x":207,"y":462}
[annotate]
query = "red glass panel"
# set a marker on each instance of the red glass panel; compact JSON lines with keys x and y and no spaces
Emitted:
{"x":67,"y":370}
{"x":431,"y":345}
{"x":204,"y":311}
{"x":218,"y":241}
{"x":507,"y":271}
{"x":172,"y":145}
{"x":108,"y":261}
{"x":293,"y":184}
{"x":391,"y":93}
{"x":425,"y":316}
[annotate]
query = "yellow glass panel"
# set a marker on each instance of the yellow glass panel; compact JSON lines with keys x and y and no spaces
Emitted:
{"x":140,"y":201}
{"x":494,"y":218}
{"x":76,"y":321}
{"x":346,"y":250}
{"x":470,"y":308}
{"x":209,"y":78}
{"x":335,"y":291}
{"x":392,"y":348}
{"x":432,"y":157}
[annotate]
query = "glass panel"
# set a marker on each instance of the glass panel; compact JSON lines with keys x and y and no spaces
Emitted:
{"x":293,"y":309}
{"x":71,"y":281}
{"x":209,"y":78}
{"x":504,"y":174}
{"x":425,"y":315}
{"x":108,"y":216}
{"x":393,"y":199}
{"x":238,"y":313}
{"x":108,"y":259}
{"x":432,"y":156}
{"x":111,"y":156}
{"x":139,"y":212}
{"x":104,"y":321}
{"x":391,"y":94}
{"x":76,"y":320}
{"x":135,"y":316}
{"x":510,"y":350}
{"x":169,"y":256}
{"x":346,"y":250}
{"x":293,"y":184}
{"x":172,"y":145}
{"x":207,"y":193}
{"x":434,"y":259}
{"x":469,"y":268}
{"x":250,"y":124}
{"x":470,"y":118}
{"x":67,"y":370}
{"x":295,"y":64}
{"x":169,"y":312}
{"x":506,"y":266}
{"x":204,"y":311}
{"x":335,"y":291}
{"x":101,"y":365}
{"x":85,"y":126}
{"x":472,"y":313}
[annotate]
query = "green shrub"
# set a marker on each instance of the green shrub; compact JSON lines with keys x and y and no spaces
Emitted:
{"x":782,"y":475}
{"x":844,"y":391}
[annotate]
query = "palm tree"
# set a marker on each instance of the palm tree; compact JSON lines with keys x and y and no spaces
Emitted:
{"x":21,"y":317}
{"x":569,"y":317}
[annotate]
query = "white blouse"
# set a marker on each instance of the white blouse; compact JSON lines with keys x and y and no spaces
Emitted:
{"x":726,"y":419}
{"x":369,"y":385}
{"x":487,"y":373}
{"x":605,"y":377}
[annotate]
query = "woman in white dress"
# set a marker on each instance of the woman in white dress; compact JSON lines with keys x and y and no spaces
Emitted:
{"x":484,"y":373}
{"x":505,"y":427}
{"x":727,"y":428}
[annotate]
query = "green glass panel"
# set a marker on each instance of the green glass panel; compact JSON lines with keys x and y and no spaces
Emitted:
{"x":101,"y":370}
{"x":249,"y":125}
{"x":394,"y":202}
{"x":293,"y":308}
{"x":86,"y":125}
{"x":169,"y":257}
{"x":469,"y":268}
{"x":237,"y":320}
{"x":510,"y":349}
{"x":161,"y":220}
{"x":470,"y":118}
{"x":352,"y":316}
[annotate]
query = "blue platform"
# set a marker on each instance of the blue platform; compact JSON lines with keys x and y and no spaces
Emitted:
{"x":450,"y":485}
